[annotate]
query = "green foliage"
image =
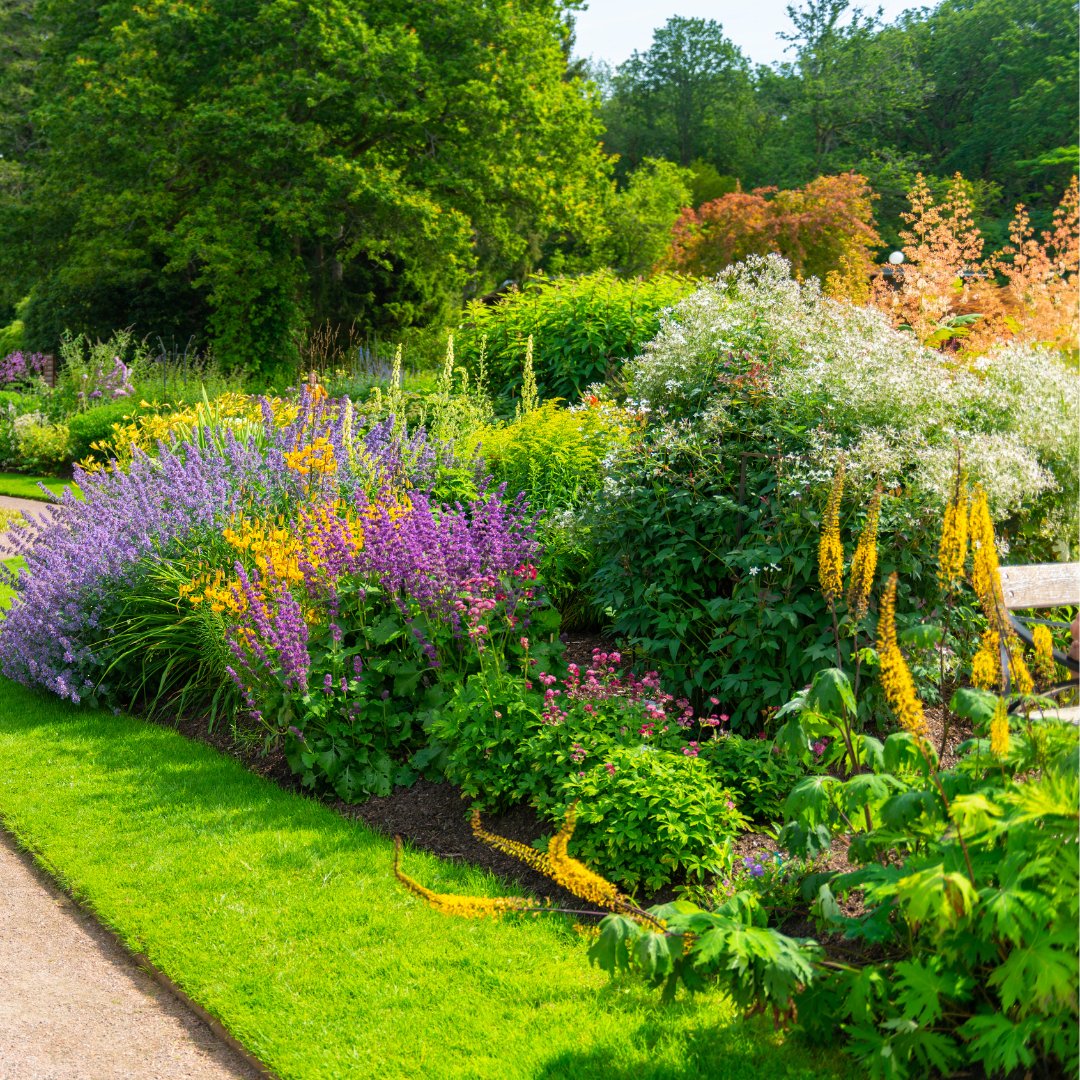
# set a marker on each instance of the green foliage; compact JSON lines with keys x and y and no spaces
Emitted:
{"x":640,"y":217}
{"x":687,"y":97}
{"x":581,"y":328}
{"x":96,"y":425}
{"x":40,"y":446}
{"x":651,"y":807}
{"x":969,"y":887}
{"x":320,"y":163}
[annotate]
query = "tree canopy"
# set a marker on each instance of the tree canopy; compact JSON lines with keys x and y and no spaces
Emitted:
{"x":254,"y":166}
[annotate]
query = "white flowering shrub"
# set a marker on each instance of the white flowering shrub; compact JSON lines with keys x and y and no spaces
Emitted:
{"x":707,"y":528}
{"x":856,"y":385}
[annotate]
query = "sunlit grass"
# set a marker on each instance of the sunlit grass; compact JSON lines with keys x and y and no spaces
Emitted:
{"x":26,"y":487}
{"x":285,"y":921}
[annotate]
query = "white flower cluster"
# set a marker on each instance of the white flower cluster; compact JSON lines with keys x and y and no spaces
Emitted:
{"x":894,"y":408}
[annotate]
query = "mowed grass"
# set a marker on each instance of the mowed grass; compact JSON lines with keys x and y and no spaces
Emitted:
{"x":285,"y":921}
{"x":26,"y":487}
{"x":6,"y":591}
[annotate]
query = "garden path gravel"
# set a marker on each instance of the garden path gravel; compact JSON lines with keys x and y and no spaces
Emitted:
{"x":75,"y":1006}
{"x":32,"y":509}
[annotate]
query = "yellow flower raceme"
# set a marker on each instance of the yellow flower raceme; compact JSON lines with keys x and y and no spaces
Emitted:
{"x":986,"y":663}
{"x":864,"y":561}
{"x":986,"y":581}
{"x":538,"y":860}
{"x":575,"y":876}
{"x":468,"y":907}
{"x":896,"y":680}
{"x":1045,"y":666}
{"x":999,"y":731}
{"x":830,"y":547}
{"x":952,"y":553}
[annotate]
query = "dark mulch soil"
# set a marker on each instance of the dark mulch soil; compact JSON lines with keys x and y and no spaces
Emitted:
{"x":434,"y":817}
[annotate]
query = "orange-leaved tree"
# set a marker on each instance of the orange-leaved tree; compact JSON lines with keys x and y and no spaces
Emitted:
{"x":818,"y":228}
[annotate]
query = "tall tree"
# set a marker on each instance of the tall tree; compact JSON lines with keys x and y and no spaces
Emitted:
{"x":1006,"y":75}
{"x":852,"y":85}
{"x":684,"y":98}
{"x":259,"y":164}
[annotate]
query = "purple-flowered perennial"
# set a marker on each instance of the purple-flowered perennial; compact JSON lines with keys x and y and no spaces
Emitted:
{"x":84,"y":552}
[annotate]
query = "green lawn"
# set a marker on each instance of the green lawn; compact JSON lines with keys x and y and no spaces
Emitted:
{"x":26,"y":487}
{"x":6,"y":591}
{"x":285,"y":921}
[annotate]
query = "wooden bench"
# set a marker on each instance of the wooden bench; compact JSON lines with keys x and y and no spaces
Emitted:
{"x":1043,"y":585}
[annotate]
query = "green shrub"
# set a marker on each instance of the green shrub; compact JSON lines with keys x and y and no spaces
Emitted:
{"x":96,"y":425}
{"x":651,"y":808}
{"x":41,"y":447}
{"x":582,"y":328}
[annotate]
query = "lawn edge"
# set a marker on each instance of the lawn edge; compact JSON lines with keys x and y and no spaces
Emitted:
{"x":53,"y":880}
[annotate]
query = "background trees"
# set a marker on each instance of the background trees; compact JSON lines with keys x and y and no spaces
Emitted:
{"x":254,"y":167}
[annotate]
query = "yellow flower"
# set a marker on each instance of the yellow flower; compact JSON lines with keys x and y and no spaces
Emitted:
{"x":986,"y":581}
{"x":830,"y":547}
{"x":864,"y":561}
{"x":985,"y":575}
{"x":896,"y":680}
{"x":538,"y":860}
{"x":468,"y":907}
{"x":575,"y":876}
{"x":954,"y":542}
{"x":986,"y":663}
{"x":999,"y":731}
{"x":1045,"y":667}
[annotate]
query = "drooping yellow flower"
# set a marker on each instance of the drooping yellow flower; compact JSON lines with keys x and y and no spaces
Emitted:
{"x":538,"y":860}
{"x":999,"y":731}
{"x":864,"y":561}
{"x":830,"y":547}
{"x":575,"y":876}
{"x":1045,"y":667}
{"x":986,"y":663}
{"x":468,"y":907}
{"x":986,"y":581}
{"x":896,"y":680}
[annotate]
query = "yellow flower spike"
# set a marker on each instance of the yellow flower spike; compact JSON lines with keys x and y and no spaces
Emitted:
{"x":538,"y":860}
{"x":952,"y":551}
{"x":469,"y":907}
{"x":1045,"y":667}
{"x":986,"y":663}
{"x":896,"y":680}
{"x":830,"y":547}
{"x":999,"y":731}
{"x":985,"y":576}
{"x":864,"y":561}
{"x":986,"y":581}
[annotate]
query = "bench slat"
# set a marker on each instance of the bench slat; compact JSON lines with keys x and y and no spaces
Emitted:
{"x":1040,"y":585}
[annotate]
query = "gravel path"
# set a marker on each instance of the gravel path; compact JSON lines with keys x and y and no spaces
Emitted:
{"x":73,"y":1004}
{"x":32,"y":510}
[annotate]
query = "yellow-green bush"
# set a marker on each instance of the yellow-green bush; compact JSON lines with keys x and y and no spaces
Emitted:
{"x":553,"y":455}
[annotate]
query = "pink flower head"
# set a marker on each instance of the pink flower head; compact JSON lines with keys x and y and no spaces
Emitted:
{"x":524,"y":643}
{"x":610,"y":768}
